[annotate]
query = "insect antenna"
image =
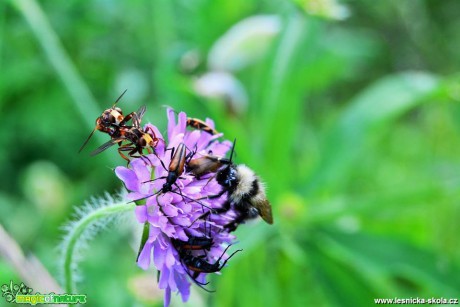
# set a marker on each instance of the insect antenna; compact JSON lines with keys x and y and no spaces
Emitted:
{"x":199,"y":284}
{"x":225,"y":261}
{"x":118,"y":99}
{"x":84,"y":144}
{"x":233,"y":149}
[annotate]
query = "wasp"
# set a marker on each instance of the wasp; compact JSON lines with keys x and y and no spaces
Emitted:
{"x":246,"y":192}
{"x":112,"y":120}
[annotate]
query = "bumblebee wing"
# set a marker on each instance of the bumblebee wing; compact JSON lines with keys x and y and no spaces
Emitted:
{"x":106,"y":145}
{"x":265,"y":210}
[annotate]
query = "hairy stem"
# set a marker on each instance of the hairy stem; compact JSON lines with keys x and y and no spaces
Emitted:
{"x":76,"y":232}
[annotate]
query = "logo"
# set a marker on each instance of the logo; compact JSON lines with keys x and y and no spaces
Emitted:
{"x":21,"y":294}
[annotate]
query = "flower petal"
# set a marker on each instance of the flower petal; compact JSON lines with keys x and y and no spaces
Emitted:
{"x":144,"y":257}
{"x":128,"y":177}
{"x":167,"y":299}
{"x":158,"y":256}
{"x":164,"y":278}
{"x":141,"y":214}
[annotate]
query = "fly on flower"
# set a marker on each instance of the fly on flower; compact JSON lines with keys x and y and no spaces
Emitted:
{"x":195,"y":265}
{"x":201,"y":125}
{"x":192,"y":254}
{"x":177,"y":217}
{"x":193,"y":243}
{"x":179,"y":157}
{"x":198,"y":124}
{"x":136,"y":140}
{"x":112,"y":119}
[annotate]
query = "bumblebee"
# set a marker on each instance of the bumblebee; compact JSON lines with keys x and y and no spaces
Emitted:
{"x":245,"y":190}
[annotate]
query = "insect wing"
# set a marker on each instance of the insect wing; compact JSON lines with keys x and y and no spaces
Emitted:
{"x":204,"y":165}
{"x":137,"y":116}
{"x":265,"y":210}
{"x":106,"y":145}
{"x":178,"y":160}
{"x":140,"y":113}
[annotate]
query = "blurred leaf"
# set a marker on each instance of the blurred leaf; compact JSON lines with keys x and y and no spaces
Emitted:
{"x":340,"y":284}
{"x":331,"y":9}
{"x":373,"y":204}
{"x":363,"y":120}
{"x":277,"y":116}
{"x":58,"y":57}
{"x":389,"y":262}
{"x":244,"y":43}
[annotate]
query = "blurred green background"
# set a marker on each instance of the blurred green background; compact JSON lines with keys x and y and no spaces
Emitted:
{"x":348,"y":110}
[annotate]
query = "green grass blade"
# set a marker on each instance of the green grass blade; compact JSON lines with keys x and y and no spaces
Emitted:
{"x":393,"y":262}
{"x":370,"y":113}
{"x":56,"y":54}
{"x":278,"y":114}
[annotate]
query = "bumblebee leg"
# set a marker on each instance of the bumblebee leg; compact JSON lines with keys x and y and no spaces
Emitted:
{"x":225,"y":208}
{"x":232,"y":226}
{"x":213,"y":196}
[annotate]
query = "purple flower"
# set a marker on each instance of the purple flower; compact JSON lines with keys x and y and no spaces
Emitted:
{"x":177,"y":214}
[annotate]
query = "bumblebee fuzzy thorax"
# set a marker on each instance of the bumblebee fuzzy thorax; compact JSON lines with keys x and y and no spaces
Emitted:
{"x":246,"y":182}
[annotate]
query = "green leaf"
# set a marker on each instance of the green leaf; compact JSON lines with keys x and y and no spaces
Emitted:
{"x":145,"y":237}
{"x":367,"y":116}
{"x":340,"y":285}
{"x":393,"y":267}
{"x":277,"y":113}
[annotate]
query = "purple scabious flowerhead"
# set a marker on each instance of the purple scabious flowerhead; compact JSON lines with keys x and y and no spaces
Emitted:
{"x":178,"y":214}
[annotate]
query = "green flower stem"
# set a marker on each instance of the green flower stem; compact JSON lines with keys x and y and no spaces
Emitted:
{"x":76,"y":232}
